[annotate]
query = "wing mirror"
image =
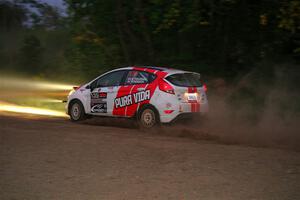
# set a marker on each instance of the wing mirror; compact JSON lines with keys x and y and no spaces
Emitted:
{"x":91,"y":86}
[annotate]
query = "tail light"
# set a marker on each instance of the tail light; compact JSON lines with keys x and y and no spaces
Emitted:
{"x":204,"y":87}
{"x":165,"y":87}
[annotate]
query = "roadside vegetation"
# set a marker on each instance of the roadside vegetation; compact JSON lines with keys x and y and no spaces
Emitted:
{"x":247,"y":51}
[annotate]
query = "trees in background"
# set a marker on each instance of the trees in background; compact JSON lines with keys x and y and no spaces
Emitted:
{"x":33,"y":38}
{"x":290,"y":21}
{"x":223,"y":38}
{"x":12,"y":16}
{"x":31,"y":53}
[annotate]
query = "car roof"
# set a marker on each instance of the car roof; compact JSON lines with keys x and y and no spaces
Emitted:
{"x":169,"y":71}
{"x":165,"y":69}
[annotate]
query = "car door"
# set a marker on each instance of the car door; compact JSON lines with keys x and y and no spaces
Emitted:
{"x":103,"y":92}
{"x":133,"y":93}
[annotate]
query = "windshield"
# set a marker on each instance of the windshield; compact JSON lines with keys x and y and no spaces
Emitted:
{"x":185,"y":80}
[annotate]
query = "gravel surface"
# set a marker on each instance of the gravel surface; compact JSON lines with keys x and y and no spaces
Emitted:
{"x":55,"y":159}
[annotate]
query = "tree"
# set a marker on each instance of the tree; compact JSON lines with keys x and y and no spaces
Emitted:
{"x":224,"y":37}
{"x":12,"y":16}
{"x":31,"y":54}
{"x":290,"y":21}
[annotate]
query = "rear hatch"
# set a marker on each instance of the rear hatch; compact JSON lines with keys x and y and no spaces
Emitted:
{"x":188,"y":87}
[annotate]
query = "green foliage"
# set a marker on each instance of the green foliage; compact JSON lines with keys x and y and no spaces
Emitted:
{"x":290,"y":16}
{"x":230,"y":36}
{"x":289,"y":20}
{"x":31,"y":54}
{"x":12,"y":16}
{"x":218,"y":38}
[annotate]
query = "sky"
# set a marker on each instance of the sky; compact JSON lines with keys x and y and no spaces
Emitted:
{"x":57,"y":3}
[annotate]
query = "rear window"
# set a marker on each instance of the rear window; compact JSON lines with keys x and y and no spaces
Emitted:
{"x":185,"y":80}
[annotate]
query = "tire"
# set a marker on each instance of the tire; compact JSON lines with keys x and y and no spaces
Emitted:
{"x":76,"y":111}
{"x":148,"y":118}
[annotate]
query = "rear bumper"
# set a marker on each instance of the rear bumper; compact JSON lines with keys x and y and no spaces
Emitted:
{"x":183,"y":113}
{"x":188,"y":116}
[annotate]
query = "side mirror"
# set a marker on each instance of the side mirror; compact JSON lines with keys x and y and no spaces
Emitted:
{"x":92,"y":86}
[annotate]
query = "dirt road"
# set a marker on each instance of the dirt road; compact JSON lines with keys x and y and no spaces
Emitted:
{"x":56,"y":159}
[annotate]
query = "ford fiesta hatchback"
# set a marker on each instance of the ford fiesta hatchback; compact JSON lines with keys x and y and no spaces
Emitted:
{"x":152,"y":95}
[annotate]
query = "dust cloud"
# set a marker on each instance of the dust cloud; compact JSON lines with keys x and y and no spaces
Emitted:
{"x":257,"y":110}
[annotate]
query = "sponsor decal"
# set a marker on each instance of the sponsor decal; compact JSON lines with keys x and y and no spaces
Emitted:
{"x":136,"y":80}
{"x":99,"y":102}
{"x":102,"y":95}
{"x":99,"y":108}
{"x":195,"y":105}
{"x":130,"y":99}
{"x":168,"y":105}
{"x":126,"y":90}
{"x":97,"y":95}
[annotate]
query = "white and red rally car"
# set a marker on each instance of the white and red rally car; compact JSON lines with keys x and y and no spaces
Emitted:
{"x":150,"y":94}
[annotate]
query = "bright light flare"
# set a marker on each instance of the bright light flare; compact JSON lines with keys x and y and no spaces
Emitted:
{"x":32,"y":84}
{"x":30,"y":110}
{"x":28,"y":96}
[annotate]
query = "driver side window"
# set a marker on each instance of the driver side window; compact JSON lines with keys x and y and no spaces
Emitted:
{"x":111,"y":79}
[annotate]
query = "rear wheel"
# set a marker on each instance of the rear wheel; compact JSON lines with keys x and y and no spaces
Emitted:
{"x":76,"y":112}
{"x":148,"y":118}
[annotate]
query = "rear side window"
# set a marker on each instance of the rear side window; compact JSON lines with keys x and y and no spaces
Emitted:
{"x":139,"y":77}
{"x":185,"y":80}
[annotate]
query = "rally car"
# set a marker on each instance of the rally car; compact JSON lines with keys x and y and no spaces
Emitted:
{"x":152,"y":95}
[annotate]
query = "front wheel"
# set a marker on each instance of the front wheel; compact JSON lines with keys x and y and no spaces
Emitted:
{"x":76,"y":112}
{"x":148,"y":118}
